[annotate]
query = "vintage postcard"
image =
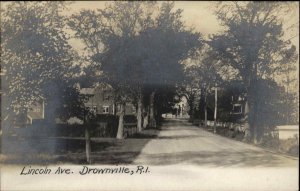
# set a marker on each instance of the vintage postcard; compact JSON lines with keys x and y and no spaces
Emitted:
{"x":149,"y":95}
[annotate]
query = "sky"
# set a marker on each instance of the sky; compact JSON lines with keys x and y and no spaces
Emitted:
{"x":196,"y":14}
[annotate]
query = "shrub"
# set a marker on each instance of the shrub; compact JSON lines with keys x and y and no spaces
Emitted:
{"x":290,"y":146}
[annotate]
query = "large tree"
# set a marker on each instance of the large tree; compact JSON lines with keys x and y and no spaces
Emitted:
{"x":138,"y":51}
{"x":203,"y":72}
{"x":288,"y":73}
{"x":253,"y":44}
{"x":166,"y":46}
{"x":35,"y":53}
{"x":111,"y":37}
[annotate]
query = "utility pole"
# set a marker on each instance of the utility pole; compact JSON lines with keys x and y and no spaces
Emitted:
{"x":216,"y":108}
{"x":181,"y":110}
{"x":86,"y":124}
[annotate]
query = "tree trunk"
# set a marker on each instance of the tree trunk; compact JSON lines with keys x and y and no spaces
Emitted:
{"x":246,"y":120}
{"x":139,"y":113}
{"x":146,"y":118}
{"x":120,"y":133}
{"x":114,"y":109}
{"x":254,"y":124}
{"x":205,"y":109}
{"x":152,"y":121}
{"x":216,"y":109}
{"x":255,"y":134}
{"x":254,"y":95}
{"x":87,"y":144}
{"x":287,"y":98}
{"x":205,"y":115}
{"x":191,"y":112}
{"x":248,"y":134}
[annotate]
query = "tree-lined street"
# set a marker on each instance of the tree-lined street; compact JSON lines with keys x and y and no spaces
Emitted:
{"x":211,"y":163}
{"x":142,"y":83}
{"x":179,"y":143}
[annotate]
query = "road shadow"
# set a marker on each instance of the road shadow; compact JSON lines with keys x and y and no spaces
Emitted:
{"x":179,"y":137}
{"x":224,"y":158}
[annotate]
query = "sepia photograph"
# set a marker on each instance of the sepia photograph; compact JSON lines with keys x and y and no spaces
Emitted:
{"x":149,"y":95}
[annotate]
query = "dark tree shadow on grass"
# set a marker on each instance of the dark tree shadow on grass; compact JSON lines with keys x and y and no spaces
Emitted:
{"x":62,"y":150}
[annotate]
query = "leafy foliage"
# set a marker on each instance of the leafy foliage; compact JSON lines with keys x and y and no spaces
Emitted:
{"x":253,"y":44}
{"x":137,"y":49}
{"x":35,"y":53}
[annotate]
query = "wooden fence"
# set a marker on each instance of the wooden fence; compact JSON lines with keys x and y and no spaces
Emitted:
{"x":99,"y":129}
{"x":130,"y":129}
{"x":233,"y":126}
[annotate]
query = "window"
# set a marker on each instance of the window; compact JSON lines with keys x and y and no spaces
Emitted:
{"x":35,"y":109}
{"x":105,"y":96}
{"x":237,"y":108}
{"x":105,"y":110}
{"x":95,"y":109}
{"x":133,"y":109}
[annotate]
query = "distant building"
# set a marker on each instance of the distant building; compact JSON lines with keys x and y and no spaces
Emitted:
{"x":102,"y":101}
{"x":36,"y":111}
{"x":238,"y":108}
{"x":287,"y":131}
{"x":182,"y":108}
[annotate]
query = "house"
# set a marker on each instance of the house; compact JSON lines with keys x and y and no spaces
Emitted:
{"x":36,"y":111}
{"x":238,"y":108}
{"x":287,"y":131}
{"x":182,"y":107}
{"x":33,"y":113}
{"x":102,"y":101}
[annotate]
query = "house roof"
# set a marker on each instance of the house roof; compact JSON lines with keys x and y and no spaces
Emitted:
{"x":87,"y":91}
{"x":287,"y":127}
{"x":35,"y":115}
{"x":94,"y":90}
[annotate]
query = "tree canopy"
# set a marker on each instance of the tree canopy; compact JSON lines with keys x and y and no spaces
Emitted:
{"x":253,"y":44}
{"x":35,"y":53}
